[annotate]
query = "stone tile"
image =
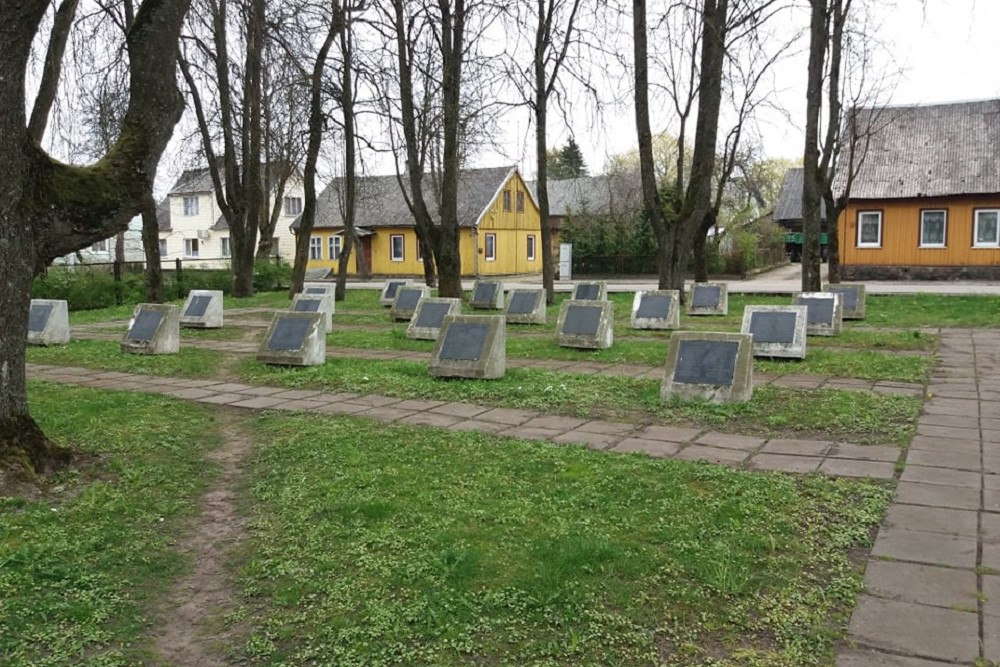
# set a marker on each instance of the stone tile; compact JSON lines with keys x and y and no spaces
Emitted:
{"x":922,"y":584}
{"x":991,"y":482}
{"x":957,"y":461}
{"x":936,"y":495}
{"x":506,"y":416}
{"x":418,"y":405}
{"x":948,"y":432}
{"x":199,"y":383}
{"x":258,"y":403}
{"x":606,"y":428}
{"x":668,"y":433}
{"x":843,"y":450}
{"x":725,"y":441}
{"x":464,"y":410}
{"x":797,"y":447}
{"x":869,"y":658}
{"x":951,"y":445}
{"x":231,"y":387}
{"x":949,"y":406}
{"x":528,"y":433}
{"x":374,"y":400}
{"x":991,"y":643}
{"x":711,"y":454}
{"x":785,"y":463}
{"x":920,"y":547}
{"x":932,"y":520}
{"x":554,"y":422}
{"x":263,"y":391}
{"x":944,"y":420}
{"x":222,"y":399}
{"x":592,"y":440}
{"x":990,"y":435}
{"x":991,"y":591}
{"x":945,"y":476}
{"x":852,"y":468}
{"x":302,"y":405}
{"x":341,"y":408}
{"x":192,"y":393}
{"x":991,"y":527}
{"x":991,"y":465}
{"x":295,"y":394}
{"x":929,"y":632}
{"x":991,"y":501}
{"x":432,"y":419}
{"x":476,"y":425}
{"x":387,"y":413}
{"x":659,"y":448}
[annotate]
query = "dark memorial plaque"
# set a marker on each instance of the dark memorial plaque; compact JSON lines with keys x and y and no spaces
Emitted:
{"x":485,"y":293}
{"x":820,"y":310}
{"x":848,"y":296}
{"x":582,"y":320}
{"x":706,"y":296}
{"x":198,"y":306}
{"x":587,"y":292}
{"x":772,"y":327}
{"x":392,"y":286}
{"x":307,"y":306}
{"x":432,"y":315}
{"x":315,"y":290}
{"x":464,"y":341}
{"x":289,"y":334}
{"x":407,"y":299}
{"x":523,"y":303}
{"x":38,"y":316}
{"x":145,"y":325}
{"x":706,"y":362}
{"x":654,"y":306}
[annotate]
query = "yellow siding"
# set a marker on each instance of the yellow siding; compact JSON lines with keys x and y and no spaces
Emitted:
{"x":901,"y":233}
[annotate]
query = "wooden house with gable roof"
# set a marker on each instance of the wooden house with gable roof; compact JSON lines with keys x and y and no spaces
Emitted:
{"x":926,"y":200}
{"x":499,"y":230}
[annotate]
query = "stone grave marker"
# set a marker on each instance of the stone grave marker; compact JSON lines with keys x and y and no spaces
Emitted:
{"x":470,"y":346}
{"x":586,"y":324}
{"x":778,"y":331}
{"x":429,"y":317}
{"x":405,"y":303}
{"x":48,"y":322}
{"x":314,"y":289}
{"x":825,"y":312}
{"x":294,"y":339}
{"x":203,"y":309}
{"x":312,"y":275}
{"x":525,"y":306}
{"x":315,"y":303}
{"x":656,"y":309}
{"x":852,"y":299}
{"x":717,"y":367}
{"x":709,"y":299}
{"x":389,"y":290}
{"x":154,"y":329}
{"x":487,"y":295}
{"x":594,"y":290}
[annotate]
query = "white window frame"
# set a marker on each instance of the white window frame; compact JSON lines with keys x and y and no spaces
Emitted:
{"x":869,"y":244}
{"x":944,"y":228}
{"x":531,"y":247}
{"x":224,"y":247}
{"x":192,"y":248}
{"x":976,"y":243}
{"x":334,"y":247}
{"x":315,"y":248}
{"x":100,"y":246}
{"x":395,"y":256}
{"x":490,"y":247}
{"x":190,"y":205}
{"x":163,"y":248}
{"x":293,"y":206}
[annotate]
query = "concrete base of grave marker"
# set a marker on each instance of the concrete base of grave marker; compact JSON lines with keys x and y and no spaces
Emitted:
{"x":716,"y":367}
{"x":709,"y":299}
{"x":294,"y":339}
{"x":586,"y":324}
{"x":471,"y":346}
{"x":315,"y":303}
{"x":526,"y":306}
{"x":591,"y":290}
{"x":825,"y":312}
{"x":486,"y":295}
{"x":154,"y":329}
{"x":406,"y":301}
{"x":429,"y":316}
{"x":656,"y":309}
{"x":852,"y":299}
{"x":388,"y":294}
{"x":202,"y":309}
{"x":48,"y":322}
{"x":778,"y":331}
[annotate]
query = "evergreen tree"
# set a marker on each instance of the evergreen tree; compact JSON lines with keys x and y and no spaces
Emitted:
{"x":566,"y":162}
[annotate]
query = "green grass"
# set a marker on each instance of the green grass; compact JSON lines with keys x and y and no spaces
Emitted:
{"x":860,"y":364}
{"x":79,"y":569}
{"x":861,"y":417}
{"x":401,"y":546}
{"x":932,"y":310}
{"x":190,"y":362}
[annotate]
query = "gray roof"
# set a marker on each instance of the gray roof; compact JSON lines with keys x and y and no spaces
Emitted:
{"x":789,"y":205}
{"x":930,"y":151}
{"x":380,"y":201}
{"x":573,"y":195}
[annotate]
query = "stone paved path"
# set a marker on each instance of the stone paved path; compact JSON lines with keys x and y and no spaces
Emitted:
{"x":932,"y":585}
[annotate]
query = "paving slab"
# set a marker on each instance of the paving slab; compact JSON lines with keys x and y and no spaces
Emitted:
{"x":191,"y":393}
{"x":531,"y":433}
{"x":922,"y":631}
{"x":431,"y":419}
{"x":476,"y":425}
{"x":944,"y":420}
{"x":948,"y":432}
{"x":797,"y":447}
{"x":930,"y":548}
{"x":932,"y":520}
{"x":341,"y":408}
{"x":922,"y":584}
{"x":464,"y":410}
{"x":842,"y":450}
{"x":950,"y":445}
{"x":991,"y":592}
{"x":262,"y":391}
{"x":668,"y":433}
{"x":853,"y":468}
{"x":870,"y":658}
{"x":592,"y":440}
{"x":301,"y":404}
{"x":605,"y":427}
{"x":957,"y":461}
{"x":991,"y":482}
{"x":222,"y":399}
{"x":418,"y":405}
{"x":374,"y":400}
{"x":554,"y":422}
{"x":936,"y":495}
{"x":712,"y":454}
{"x":659,"y":448}
{"x":258,"y":403}
{"x":506,"y":416}
{"x":726,"y":441}
{"x":944,"y":476}
{"x":785,"y":463}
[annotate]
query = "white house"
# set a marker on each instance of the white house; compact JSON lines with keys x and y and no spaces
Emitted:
{"x":103,"y":252}
{"x":192,"y":227}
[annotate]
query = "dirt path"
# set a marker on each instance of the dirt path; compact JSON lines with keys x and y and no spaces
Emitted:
{"x":191,"y":631}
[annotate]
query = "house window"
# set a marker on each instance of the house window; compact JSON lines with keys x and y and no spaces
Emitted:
{"x":163,"y":248}
{"x":491,"y":247}
{"x":191,"y":247}
{"x":293,"y":205}
{"x":315,"y":248}
{"x":987,"y":232}
{"x":226,"y":252}
{"x":531,"y":247}
{"x":191,"y":205}
{"x":396,"y":247}
{"x":100,"y":246}
{"x":334,"y":247}
{"x":506,"y":200}
{"x":933,"y":228}
{"x":869,"y":229}
{"x":420,"y":252}
{"x":520,"y":202}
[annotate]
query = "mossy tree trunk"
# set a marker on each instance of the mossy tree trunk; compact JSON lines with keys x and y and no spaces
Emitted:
{"x":49,"y":209}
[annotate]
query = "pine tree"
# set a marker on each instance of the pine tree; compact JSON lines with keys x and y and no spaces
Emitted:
{"x":572,"y":161}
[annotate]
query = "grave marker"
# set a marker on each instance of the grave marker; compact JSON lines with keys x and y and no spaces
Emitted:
{"x":778,"y":331}
{"x":709,"y":299}
{"x":594,"y":290}
{"x":586,"y":324}
{"x":48,"y":322}
{"x":470,"y":346}
{"x":825,"y":312}
{"x":429,"y":317}
{"x":525,"y":306}
{"x":294,"y":339}
{"x":852,"y":299}
{"x":202,"y":309}
{"x":317,"y":289}
{"x":657,"y":309}
{"x":717,"y":367}
{"x":154,"y":329}
{"x":487,"y":295}
{"x":388,"y":294}
{"x":315,"y":303}
{"x":405,"y":303}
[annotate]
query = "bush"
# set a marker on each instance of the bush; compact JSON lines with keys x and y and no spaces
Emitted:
{"x":272,"y":275}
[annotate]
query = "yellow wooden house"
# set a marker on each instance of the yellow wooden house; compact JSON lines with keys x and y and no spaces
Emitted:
{"x":499,"y":230}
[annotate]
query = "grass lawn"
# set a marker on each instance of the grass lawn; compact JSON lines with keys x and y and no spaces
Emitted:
{"x":190,"y":362}
{"x":376,"y":546}
{"x":79,"y":568}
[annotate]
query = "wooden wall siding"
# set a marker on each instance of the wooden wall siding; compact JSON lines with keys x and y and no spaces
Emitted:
{"x":901,"y":233}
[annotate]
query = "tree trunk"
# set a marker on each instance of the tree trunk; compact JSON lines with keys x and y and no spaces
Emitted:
{"x":811,"y":178}
{"x":151,"y":248}
{"x":700,"y":251}
{"x":340,"y":291}
{"x":541,"y":151}
{"x":832,"y":238}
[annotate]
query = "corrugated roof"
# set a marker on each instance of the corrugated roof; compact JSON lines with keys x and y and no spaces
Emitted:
{"x":929,"y":151}
{"x":587,"y":193}
{"x":789,"y":205}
